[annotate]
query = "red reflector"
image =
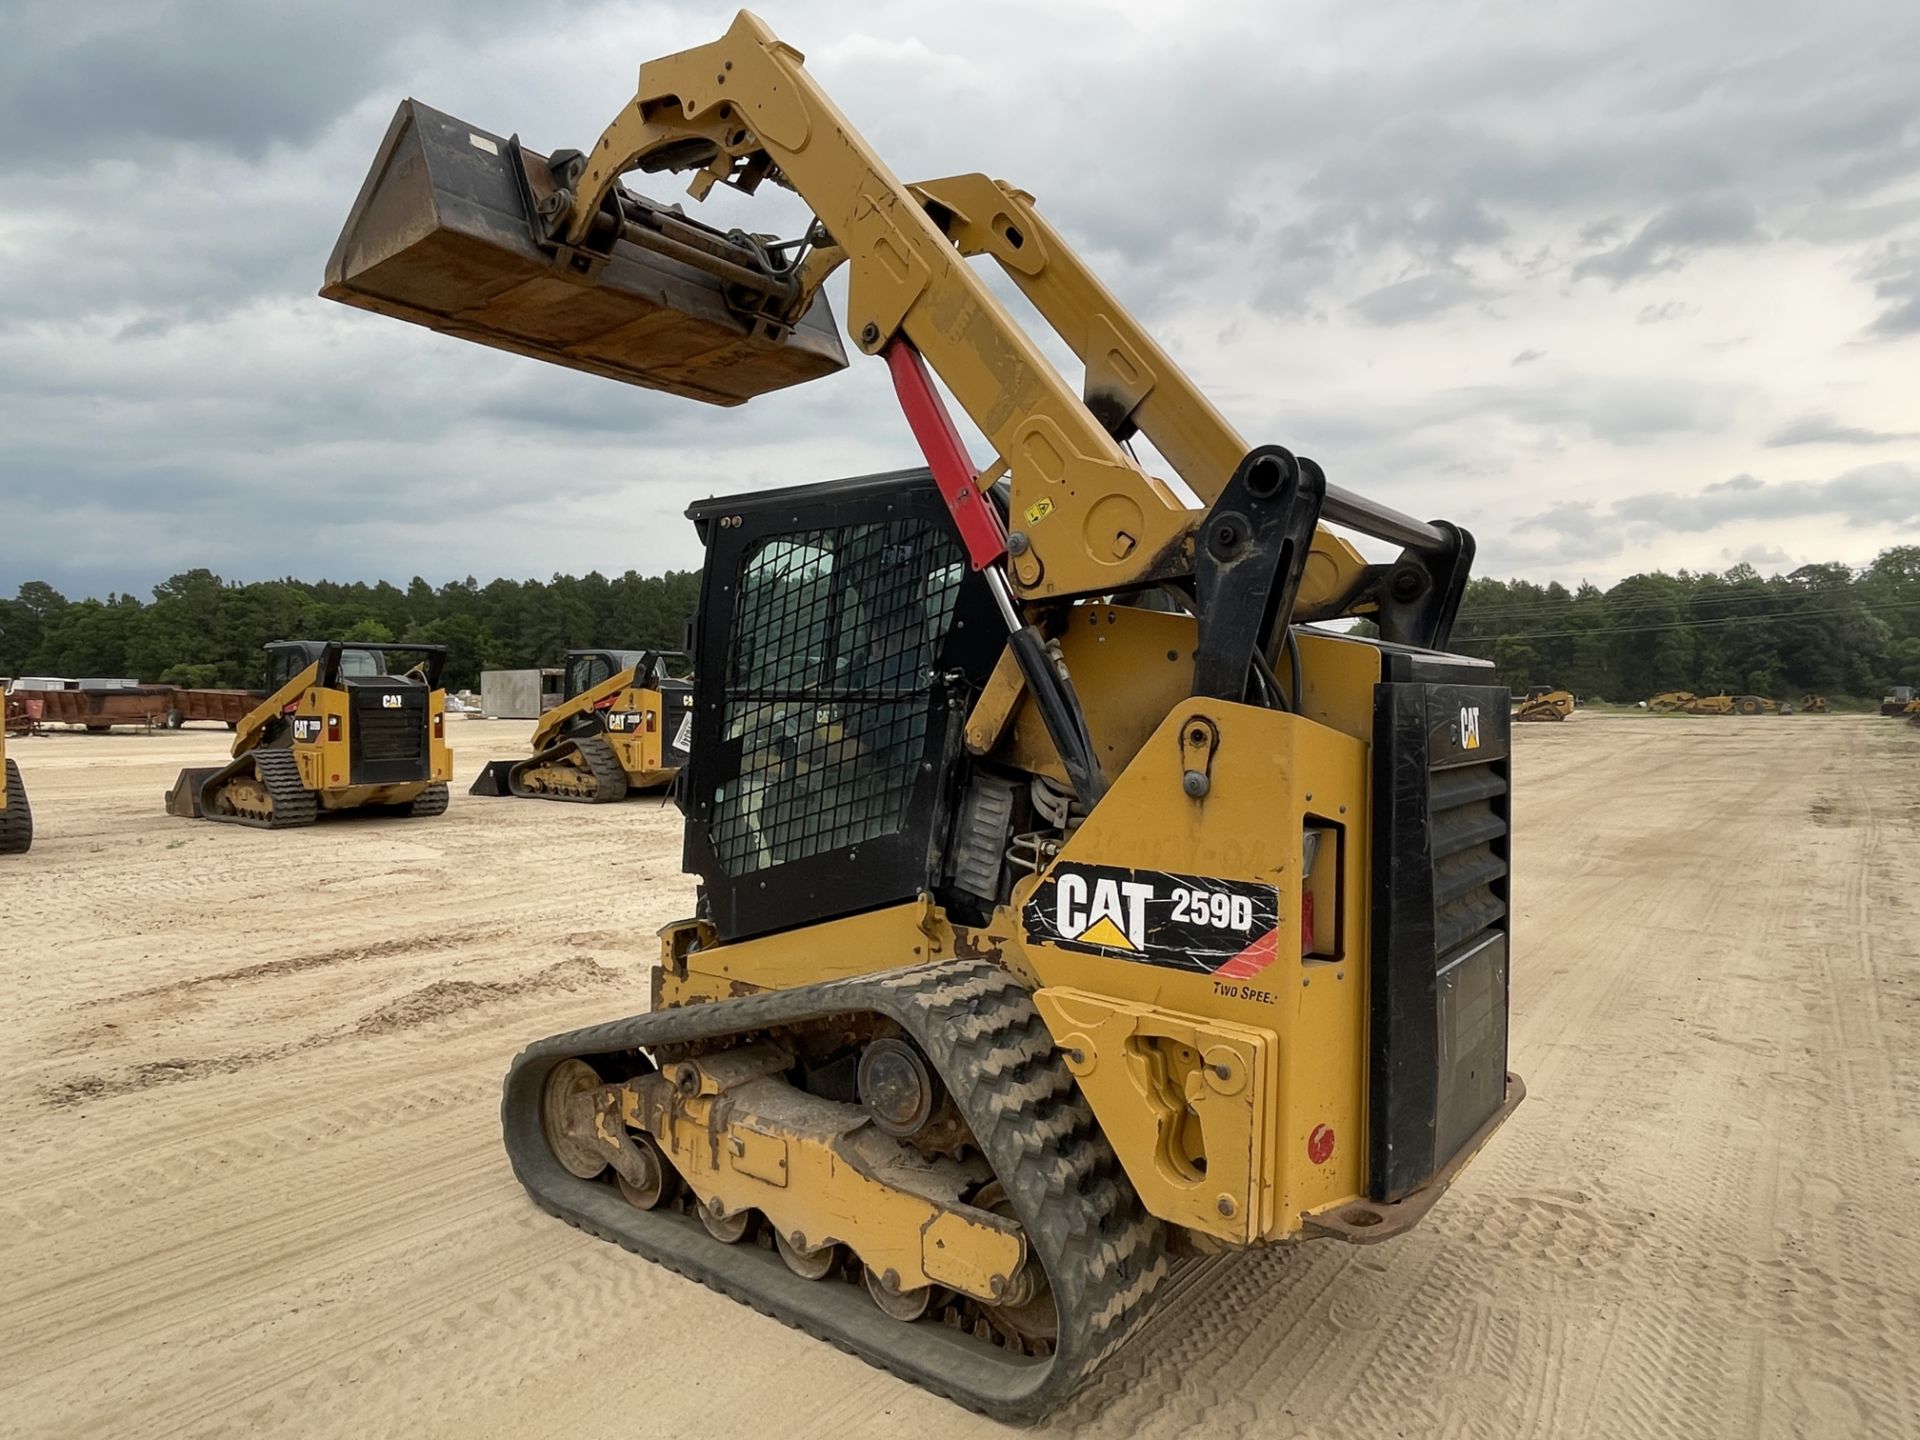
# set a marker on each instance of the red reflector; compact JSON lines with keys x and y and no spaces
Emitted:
{"x":1320,"y":1145}
{"x":1306,"y":922}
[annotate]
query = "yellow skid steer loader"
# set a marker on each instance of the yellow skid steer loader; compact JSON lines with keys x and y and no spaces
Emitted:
{"x":622,"y":729}
{"x":336,"y":732}
{"x":1067,"y":904}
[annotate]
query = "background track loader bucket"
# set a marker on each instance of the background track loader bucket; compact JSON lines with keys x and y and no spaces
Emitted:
{"x":441,"y":236}
{"x":492,"y":779}
{"x":184,"y":798}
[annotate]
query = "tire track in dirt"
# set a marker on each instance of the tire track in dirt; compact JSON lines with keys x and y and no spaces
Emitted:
{"x":433,"y":1002}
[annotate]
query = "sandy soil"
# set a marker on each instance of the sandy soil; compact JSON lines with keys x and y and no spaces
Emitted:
{"x":252,"y":1184}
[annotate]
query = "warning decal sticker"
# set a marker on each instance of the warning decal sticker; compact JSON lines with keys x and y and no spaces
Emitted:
{"x":1187,"y":922}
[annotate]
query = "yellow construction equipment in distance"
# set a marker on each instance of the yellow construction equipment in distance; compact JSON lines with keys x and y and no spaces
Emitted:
{"x":1543,"y":702}
{"x":335,"y":732}
{"x":622,"y":729}
{"x":1685,"y":702}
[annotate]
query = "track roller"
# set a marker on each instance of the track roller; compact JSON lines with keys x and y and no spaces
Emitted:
{"x":727,"y":1229}
{"x":1074,"y":1259}
{"x":903,"y":1305}
{"x":816,"y":1263}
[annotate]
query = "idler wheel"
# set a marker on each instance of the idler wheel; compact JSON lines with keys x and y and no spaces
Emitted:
{"x":576,"y":1156}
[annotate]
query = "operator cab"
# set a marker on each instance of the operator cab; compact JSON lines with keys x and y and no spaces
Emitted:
{"x":344,"y":664}
{"x":840,"y":643}
{"x":587,"y":669}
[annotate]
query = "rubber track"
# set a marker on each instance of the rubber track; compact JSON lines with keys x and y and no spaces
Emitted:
{"x":16,"y":821}
{"x":1103,"y":1254}
{"x":609,"y":776}
{"x":430,"y":801}
{"x":293,"y":803}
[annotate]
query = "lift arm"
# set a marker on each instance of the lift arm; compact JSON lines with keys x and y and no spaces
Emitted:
{"x":1085,"y":517}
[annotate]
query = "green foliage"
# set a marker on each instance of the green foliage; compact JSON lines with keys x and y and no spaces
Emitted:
{"x":1828,"y":628}
{"x":200,"y":630}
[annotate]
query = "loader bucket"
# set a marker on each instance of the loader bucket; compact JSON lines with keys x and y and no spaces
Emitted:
{"x":442,"y":235}
{"x":184,"y":798}
{"x":492,"y":780}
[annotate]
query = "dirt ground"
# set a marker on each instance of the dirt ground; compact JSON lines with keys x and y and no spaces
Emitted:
{"x":252,"y":1183}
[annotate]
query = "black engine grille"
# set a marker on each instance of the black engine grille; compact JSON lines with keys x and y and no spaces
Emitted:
{"x":1438,"y":992}
{"x":388,"y":743}
{"x":1469,"y":853}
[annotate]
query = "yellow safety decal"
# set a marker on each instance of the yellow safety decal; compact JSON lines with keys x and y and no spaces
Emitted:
{"x":1039,"y":510}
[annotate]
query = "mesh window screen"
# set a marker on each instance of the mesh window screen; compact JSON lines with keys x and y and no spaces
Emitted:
{"x":830,"y":672}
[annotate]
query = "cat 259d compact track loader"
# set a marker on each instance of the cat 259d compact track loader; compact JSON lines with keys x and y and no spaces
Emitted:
{"x":1066,"y":905}
{"x":622,"y":729}
{"x":16,"y":820}
{"x":336,"y":732}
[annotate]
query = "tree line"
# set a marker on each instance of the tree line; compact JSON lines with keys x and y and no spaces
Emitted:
{"x":1831,"y":629}
{"x":202,"y":631}
{"x":1834,"y":629}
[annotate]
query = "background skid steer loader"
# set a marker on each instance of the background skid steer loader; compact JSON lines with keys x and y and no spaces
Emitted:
{"x":336,"y":732}
{"x":624,"y":727}
{"x":1543,"y":702}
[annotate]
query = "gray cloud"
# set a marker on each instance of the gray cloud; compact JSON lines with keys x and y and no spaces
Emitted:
{"x":1419,"y":297}
{"x":1896,"y":282}
{"x":1527,"y":357}
{"x":176,"y":174}
{"x":1570,"y":517}
{"x":1823,"y":429}
{"x":1663,"y":312}
{"x":1883,"y":495}
{"x":1884,"y":498}
{"x":1760,"y":557}
{"x":1674,"y":236}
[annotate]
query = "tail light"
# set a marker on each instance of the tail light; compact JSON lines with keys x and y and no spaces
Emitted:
{"x":1315,"y":847}
{"x":333,"y":727}
{"x":439,"y":725}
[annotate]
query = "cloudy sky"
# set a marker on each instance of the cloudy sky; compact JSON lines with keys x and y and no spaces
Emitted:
{"x":1617,"y":285}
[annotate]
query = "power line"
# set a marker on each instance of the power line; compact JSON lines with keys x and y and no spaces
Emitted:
{"x":1685,"y":624}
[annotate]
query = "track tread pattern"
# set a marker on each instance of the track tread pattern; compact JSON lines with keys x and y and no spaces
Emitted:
{"x":1104,"y":1256}
{"x":430,"y":801}
{"x":16,"y":821}
{"x":609,"y":775}
{"x":293,"y":803}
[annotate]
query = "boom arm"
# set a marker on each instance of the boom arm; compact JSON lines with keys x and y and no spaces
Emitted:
{"x":1085,"y":518}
